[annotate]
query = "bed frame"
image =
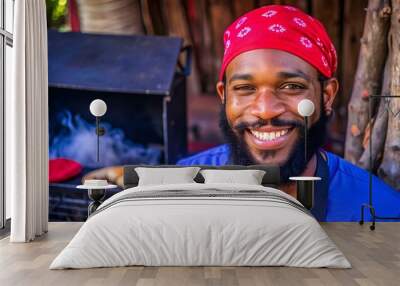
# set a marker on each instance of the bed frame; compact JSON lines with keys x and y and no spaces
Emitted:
{"x":131,"y":179}
{"x":270,"y":179}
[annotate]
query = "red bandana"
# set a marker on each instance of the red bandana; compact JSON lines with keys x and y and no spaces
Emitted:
{"x":282,"y":28}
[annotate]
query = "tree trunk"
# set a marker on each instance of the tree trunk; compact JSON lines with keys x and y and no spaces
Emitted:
{"x":112,"y":17}
{"x":368,"y":76}
{"x":378,"y":128}
{"x":390,"y":167}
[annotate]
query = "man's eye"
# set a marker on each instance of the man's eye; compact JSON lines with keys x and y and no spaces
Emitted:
{"x":292,"y":86}
{"x":245,"y":87}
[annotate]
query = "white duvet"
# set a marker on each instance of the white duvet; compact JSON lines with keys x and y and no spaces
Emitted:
{"x":207,"y":230}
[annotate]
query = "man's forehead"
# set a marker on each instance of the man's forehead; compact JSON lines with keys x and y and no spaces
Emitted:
{"x":272,"y":62}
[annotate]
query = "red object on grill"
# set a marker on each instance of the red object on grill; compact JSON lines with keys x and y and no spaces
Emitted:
{"x":73,"y":15}
{"x":62,"y":169}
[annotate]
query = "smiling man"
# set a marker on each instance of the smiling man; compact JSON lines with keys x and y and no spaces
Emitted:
{"x":274,"y":57}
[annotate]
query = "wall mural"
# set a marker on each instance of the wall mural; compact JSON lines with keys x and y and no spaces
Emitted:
{"x":279,"y":100}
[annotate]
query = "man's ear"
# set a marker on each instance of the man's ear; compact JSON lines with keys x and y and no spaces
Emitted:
{"x":331,"y":88}
{"x":221,"y":91}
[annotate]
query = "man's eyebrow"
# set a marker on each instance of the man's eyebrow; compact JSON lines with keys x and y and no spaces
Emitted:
{"x":282,"y":75}
{"x":292,"y":74}
{"x":243,"y":76}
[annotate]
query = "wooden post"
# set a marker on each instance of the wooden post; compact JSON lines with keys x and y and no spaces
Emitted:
{"x":378,"y":128}
{"x":368,"y":78}
{"x":390,"y":167}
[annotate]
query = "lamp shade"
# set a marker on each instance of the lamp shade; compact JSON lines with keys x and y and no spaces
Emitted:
{"x":98,"y":107}
{"x":305,"y":107}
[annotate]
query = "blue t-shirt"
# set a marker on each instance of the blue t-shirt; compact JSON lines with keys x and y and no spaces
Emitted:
{"x":346,"y":191}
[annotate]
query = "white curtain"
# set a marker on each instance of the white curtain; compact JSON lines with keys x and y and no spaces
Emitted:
{"x":27,"y":123}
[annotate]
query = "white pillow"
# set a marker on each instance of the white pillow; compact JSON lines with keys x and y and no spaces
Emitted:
{"x":249,"y":177}
{"x":162,"y":176}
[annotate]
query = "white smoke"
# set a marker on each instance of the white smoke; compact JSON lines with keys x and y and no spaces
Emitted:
{"x":77,"y":140}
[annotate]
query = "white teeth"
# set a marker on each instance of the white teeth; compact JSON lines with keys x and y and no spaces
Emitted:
{"x":268,"y":136}
{"x":272,"y":136}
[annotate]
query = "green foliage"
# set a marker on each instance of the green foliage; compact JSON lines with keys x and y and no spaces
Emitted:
{"x":56,"y":13}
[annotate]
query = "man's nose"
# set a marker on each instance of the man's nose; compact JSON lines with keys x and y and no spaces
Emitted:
{"x":267,"y":105}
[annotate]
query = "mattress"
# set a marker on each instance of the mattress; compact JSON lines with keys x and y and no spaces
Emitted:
{"x":201,"y":225}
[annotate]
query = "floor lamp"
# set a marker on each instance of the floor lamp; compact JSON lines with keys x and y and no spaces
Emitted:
{"x":305,"y":185}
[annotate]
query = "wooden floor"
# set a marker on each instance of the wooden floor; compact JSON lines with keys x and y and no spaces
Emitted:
{"x":375,"y":257}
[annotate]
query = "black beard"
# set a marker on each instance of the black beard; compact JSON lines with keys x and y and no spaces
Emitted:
{"x":295,"y":164}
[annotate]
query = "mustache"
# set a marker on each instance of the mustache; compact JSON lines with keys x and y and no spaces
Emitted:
{"x":242,"y":126}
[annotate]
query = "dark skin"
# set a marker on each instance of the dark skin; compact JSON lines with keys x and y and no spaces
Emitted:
{"x":266,"y":84}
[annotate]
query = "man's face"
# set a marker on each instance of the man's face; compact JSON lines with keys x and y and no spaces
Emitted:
{"x":263,"y":88}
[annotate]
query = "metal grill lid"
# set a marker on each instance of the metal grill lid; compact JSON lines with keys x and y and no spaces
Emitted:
{"x":125,"y":64}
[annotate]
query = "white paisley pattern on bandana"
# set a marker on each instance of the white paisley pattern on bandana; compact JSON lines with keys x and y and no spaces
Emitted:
{"x":333,"y":50}
{"x":277,"y":28}
{"x":227,"y":45}
{"x":324,"y":61}
{"x":243,"y":32}
{"x":240,"y":23}
{"x":227,"y":35}
{"x":290,"y":8}
{"x":269,"y":13}
{"x":319,"y":43}
{"x":299,"y":22}
{"x":306,"y":42}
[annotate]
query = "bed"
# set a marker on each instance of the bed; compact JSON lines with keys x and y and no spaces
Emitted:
{"x":201,"y":224}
